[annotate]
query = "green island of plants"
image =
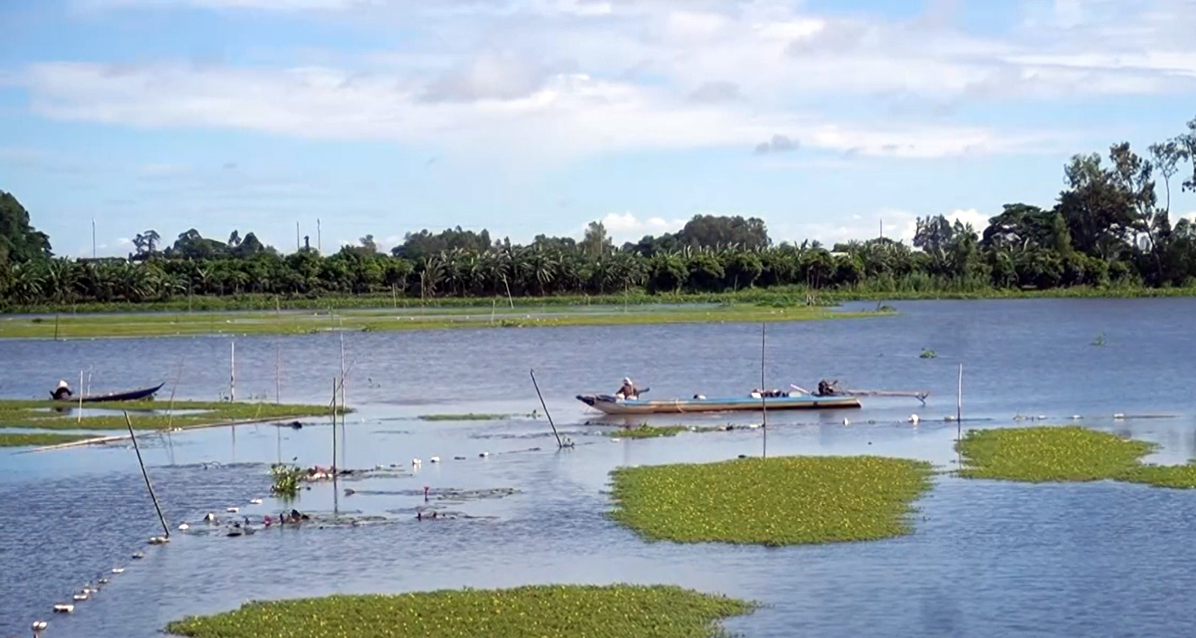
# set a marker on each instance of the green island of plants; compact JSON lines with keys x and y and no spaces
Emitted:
{"x":1065,"y":454}
{"x":148,"y":415}
{"x":37,"y":439}
{"x":471,"y":416}
{"x":777,"y":501}
{"x":147,"y":324}
{"x":552,"y":611}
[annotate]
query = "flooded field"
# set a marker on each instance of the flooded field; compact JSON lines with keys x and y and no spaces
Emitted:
{"x":986,"y":558}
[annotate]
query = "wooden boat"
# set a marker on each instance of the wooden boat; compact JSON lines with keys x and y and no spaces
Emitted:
{"x":131,"y":395}
{"x":610,"y":405}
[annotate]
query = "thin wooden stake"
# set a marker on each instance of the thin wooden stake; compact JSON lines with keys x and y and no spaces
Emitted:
{"x":334,"y":425}
{"x":559,"y":445}
{"x":148,"y":486}
{"x":763,"y":401}
{"x":277,"y":378}
{"x":80,"y":416}
{"x":232,"y":374}
{"x":959,"y":405}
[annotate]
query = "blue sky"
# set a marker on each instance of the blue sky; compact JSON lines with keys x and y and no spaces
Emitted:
{"x":538,"y":116}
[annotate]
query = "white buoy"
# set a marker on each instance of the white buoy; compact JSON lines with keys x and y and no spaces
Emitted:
{"x":63,"y":608}
{"x":615,"y":440}
{"x":846,"y":422}
{"x":118,"y":570}
{"x":40,"y":625}
{"x":138,"y":555}
{"x":1119,"y":416}
{"x":233,"y":510}
{"x":434,"y":459}
{"x":415,"y":462}
{"x":1076,"y":417}
{"x":255,"y":501}
{"x":80,"y":597}
{"x":913,"y":418}
{"x":484,"y":454}
{"x":184,"y":526}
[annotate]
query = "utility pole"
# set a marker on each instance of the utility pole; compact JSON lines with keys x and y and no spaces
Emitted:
{"x":297,"y":244}
{"x":93,"y":237}
{"x":319,"y":238}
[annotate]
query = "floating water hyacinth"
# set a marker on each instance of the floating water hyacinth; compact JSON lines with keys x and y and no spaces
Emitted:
{"x":1071,"y":453}
{"x":777,"y":501}
{"x":556,"y":611}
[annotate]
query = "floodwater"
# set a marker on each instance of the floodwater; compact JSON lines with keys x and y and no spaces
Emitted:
{"x":986,"y":559}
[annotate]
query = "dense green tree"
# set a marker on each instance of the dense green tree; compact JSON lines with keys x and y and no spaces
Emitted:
{"x":20,"y":242}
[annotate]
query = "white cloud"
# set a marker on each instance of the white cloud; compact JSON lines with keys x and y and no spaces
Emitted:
{"x":560,"y":78}
{"x":625,"y":227}
{"x":571,"y":115}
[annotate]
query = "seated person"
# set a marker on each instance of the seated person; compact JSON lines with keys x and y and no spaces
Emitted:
{"x":63,"y":391}
{"x":627,"y":390}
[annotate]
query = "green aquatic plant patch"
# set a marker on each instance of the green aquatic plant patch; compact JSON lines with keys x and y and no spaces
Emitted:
{"x":145,"y":324}
{"x":1059,"y":454}
{"x":22,"y":439}
{"x":645,"y":431}
{"x":778,"y":501}
{"x":148,"y":415}
{"x":462,"y":417}
{"x":556,"y":611}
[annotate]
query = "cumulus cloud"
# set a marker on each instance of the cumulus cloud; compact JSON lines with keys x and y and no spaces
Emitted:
{"x":666,"y":74}
{"x":778,"y":144}
{"x":624,"y":227}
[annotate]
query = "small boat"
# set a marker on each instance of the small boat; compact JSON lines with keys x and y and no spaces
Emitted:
{"x":131,"y":395}
{"x":610,"y":405}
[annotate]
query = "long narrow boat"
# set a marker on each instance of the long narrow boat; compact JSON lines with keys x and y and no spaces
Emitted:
{"x":610,"y":405}
{"x":131,"y":395}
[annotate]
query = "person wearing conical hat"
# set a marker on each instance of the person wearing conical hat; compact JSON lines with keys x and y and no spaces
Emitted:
{"x":62,"y":391}
{"x":627,"y":391}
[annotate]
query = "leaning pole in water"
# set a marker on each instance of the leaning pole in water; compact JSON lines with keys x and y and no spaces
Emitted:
{"x":144,"y":474}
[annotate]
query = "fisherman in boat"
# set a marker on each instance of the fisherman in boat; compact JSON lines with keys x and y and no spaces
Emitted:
{"x":627,"y":391}
{"x":61,"y":392}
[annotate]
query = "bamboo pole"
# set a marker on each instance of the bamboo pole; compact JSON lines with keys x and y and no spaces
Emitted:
{"x":334,"y":425}
{"x":232,"y":375}
{"x":763,"y":401}
{"x":79,"y":418}
{"x":959,"y":406}
{"x":277,"y":378}
{"x":559,"y":445}
{"x":144,"y":474}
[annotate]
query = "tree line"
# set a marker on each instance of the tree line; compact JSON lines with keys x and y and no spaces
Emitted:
{"x":1111,"y":225}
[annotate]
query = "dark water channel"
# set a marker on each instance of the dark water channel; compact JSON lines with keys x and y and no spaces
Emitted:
{"x":987,"y":558}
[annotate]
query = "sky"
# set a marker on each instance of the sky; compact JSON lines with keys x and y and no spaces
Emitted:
{"x":383,"y":117}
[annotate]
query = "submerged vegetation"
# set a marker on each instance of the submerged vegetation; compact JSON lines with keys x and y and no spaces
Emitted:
{"x":286,"y":479}
{"x":463,"y":417}
{"x":645,"y":431}
{"x":545,"y":611}
{"x":145,"y":324}
{"x":777,"y":501}
{"x":147,"y":415}
{"x":1058,"y":454}
{"x":19,"y":439}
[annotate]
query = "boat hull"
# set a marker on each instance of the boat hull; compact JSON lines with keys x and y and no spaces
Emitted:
{"x":132,"y":395}
{"x":609,"y":405}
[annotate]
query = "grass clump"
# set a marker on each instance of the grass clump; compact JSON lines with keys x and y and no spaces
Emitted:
{"x":778,"y":501}
{"x":148,"y":415}
{"x":645,"y":431}
{"x":462,"y":417}
{"x":556,"y":611}
{"x":39,"y":439}
{"x":1059,"y":454}
{"x":286,"y":479}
